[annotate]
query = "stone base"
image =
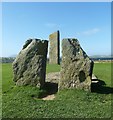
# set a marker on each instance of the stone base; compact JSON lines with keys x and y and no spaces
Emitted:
{"x":54,"y":77}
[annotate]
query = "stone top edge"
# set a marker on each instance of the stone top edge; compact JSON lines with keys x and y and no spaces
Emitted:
{"x":57,"y":32}
{"x":70,"y":39}
{"x":34,"y":41}
{"x":38,"y":40}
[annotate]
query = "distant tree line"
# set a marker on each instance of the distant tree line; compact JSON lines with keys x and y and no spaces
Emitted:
{"x":11,"y":59}
{"x":7,"y":59}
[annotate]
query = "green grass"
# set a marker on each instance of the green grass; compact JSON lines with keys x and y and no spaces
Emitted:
{"x":19,"y":103}
{"x":0,"y":91}
{"x":52,"y":68}
{"x":103,"y":72}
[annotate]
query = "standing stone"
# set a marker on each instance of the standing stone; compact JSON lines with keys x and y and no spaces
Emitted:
{"x":29,"y":67}
{"x":76,"y":67}
{"x":54,"y":51}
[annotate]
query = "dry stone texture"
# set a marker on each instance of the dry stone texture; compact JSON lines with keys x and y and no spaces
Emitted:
{"x":76,"y":67}
{"x":54,"y":50}
{"x":53,"y":77}
{"x":29,"y":66}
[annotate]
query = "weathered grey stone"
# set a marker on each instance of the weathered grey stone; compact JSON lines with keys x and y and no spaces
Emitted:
{"x":54,"y":50}
{"x":76,"y":67}
{"x":29,"y":66}
{"x":53,"y":77}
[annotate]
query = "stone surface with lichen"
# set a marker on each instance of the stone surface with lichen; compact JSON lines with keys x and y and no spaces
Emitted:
{"x":29,"y":67}
{"x":76,"y":66}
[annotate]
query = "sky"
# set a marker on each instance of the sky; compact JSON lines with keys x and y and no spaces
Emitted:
{"x":56,"y":0}
{"x":89,"y":22}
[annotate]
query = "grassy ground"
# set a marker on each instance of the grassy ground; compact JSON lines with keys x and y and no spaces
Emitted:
{"x":18,"y":102}
{"x":0,"y":91}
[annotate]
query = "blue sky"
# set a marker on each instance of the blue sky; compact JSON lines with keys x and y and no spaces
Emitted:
{"x":90,"y":23}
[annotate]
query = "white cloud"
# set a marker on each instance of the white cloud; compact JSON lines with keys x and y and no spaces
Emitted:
{"x":92,"y":31}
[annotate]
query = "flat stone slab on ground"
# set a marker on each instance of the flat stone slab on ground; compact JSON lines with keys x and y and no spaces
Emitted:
{"x":49,"y":97}
{"x":94,"y":77}
{"x":55,"y":77}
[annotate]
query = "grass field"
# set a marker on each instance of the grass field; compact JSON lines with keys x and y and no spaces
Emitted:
{"x":17,"y":102}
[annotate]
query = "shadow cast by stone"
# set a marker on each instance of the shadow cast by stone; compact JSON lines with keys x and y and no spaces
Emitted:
{"x":48,"y":89}
{"x":100,"y":87}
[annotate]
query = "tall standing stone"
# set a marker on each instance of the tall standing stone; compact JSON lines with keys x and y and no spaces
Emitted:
{"x":54,"y":50}
{"x":29,"y":67}
{"x":76,"y":67}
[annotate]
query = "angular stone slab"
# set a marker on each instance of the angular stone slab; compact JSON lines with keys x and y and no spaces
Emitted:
{"x":54,"y":49}
{"x":29,"y":67}
{"x":76,"y":66}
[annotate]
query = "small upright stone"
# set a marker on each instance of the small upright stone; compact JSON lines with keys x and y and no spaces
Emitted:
{"x":76,"y":66}
{"x":54,"y":50}
{"x":29,"y":67}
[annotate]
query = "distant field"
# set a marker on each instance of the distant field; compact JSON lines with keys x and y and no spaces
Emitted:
{"x":19,"y":103}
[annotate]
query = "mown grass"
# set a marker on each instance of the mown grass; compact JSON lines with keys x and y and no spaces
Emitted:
{"x":103,"y":72}
{"x":0,"y":91}
{"x":19,"y":103}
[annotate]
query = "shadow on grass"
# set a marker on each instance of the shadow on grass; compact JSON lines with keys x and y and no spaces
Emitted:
{"x":100,"y":87}
{"x":48,"y":89}
{"x":96,"y":87}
